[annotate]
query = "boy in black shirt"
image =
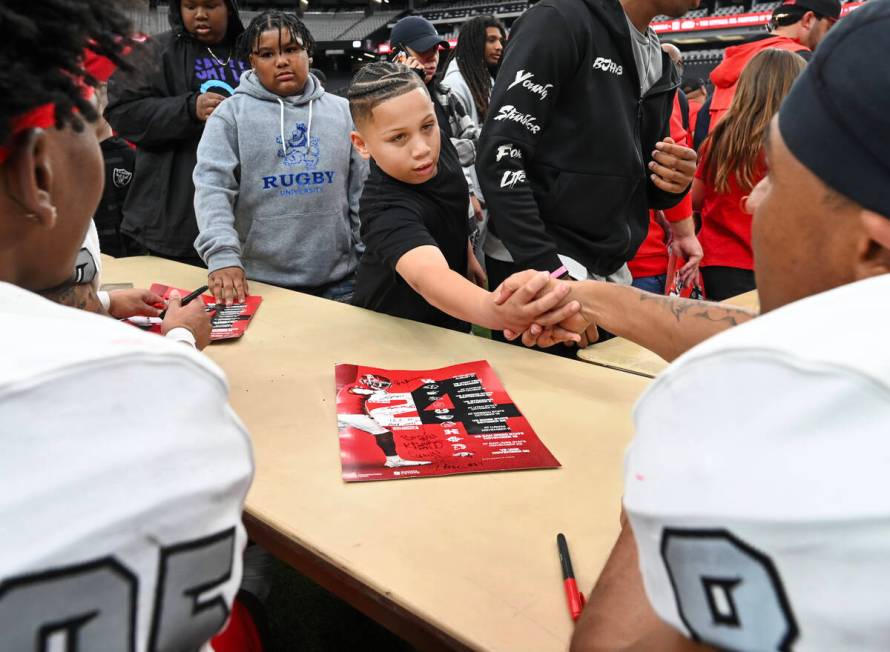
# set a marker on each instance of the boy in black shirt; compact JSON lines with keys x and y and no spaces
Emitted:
{"x":413,"y":217}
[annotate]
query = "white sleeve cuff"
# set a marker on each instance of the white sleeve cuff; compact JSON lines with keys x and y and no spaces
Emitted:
{"x":181,"y":334}
{"x":104,"y":299}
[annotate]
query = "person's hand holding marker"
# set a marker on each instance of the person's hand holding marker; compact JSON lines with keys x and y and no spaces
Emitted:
{"x":192,"y":317}
{"x":228,"y":285}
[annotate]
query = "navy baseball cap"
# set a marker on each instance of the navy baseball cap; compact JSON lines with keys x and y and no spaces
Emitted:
{"x":416,"y":33}
{"x":836,"y":119}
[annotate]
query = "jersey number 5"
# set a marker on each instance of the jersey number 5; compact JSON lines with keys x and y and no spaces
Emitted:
{"x":728,"y":594}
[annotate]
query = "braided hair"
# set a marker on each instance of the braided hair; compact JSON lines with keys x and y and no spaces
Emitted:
{"x":42,"y":58}
{"x":274,"y":20}
{"x":470,"y":55}
{"x":378,"y":82}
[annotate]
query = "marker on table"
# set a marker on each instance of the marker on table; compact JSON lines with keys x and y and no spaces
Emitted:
{"x":187,"y":299}
{"x":574,"y":597}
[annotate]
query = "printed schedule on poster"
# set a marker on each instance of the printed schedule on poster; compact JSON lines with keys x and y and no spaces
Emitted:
{"x":397,"y":424}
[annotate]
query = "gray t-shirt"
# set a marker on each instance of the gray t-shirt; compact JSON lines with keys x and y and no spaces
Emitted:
{"x":647,"y":55}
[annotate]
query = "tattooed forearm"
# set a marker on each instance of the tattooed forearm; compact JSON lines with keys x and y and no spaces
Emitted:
{"x":690,"y":308}
{"x":82,"y":297}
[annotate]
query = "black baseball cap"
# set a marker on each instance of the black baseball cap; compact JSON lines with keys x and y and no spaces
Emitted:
{"x":692,"y":84}
{"x":836,"y":119}
{"x":416,"y":33}
{"x":797,"y":8}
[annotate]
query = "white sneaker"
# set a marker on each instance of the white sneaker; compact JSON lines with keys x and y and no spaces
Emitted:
{"x":394,"y":462}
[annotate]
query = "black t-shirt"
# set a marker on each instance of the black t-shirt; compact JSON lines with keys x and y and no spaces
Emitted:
{"x":398,"y":217}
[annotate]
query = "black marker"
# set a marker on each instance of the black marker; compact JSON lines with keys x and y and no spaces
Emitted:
{"x":188,"y":298}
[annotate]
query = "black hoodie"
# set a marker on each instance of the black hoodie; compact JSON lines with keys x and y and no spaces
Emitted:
{"x":154,"y":107}
{"x":563,"y":154}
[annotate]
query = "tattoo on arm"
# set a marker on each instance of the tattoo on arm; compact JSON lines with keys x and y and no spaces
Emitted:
{"x":693,"y":309}
{"x":82,"y":297}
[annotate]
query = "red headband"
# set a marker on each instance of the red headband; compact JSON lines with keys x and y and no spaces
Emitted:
{"x":43,"y":117}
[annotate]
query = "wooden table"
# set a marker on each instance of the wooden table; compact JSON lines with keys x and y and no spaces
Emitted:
{"x":461,"y":562}
{"x":623,"y":355}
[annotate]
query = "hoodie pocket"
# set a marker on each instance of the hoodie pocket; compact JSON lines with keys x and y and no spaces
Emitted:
{"x":305,"y":250}
{"x":595,"y":206}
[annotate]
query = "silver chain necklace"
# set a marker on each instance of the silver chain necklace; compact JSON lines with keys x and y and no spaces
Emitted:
{"x":215,"y":58}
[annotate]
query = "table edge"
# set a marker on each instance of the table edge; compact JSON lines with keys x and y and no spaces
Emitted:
{"x":377,"y":606}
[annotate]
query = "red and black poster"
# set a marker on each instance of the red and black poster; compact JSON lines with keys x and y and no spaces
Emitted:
{"x":227,"y":322}
{"x":413,"y":424}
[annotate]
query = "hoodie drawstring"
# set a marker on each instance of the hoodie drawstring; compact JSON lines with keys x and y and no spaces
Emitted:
{"x":281,"y":125}
{"x":309,"y":130}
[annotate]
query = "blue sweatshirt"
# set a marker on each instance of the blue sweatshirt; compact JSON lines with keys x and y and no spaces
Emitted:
{"x":277,"y":186}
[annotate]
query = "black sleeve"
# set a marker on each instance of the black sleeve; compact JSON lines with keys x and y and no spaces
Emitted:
{"x":141,"y":108}
{"x":542,"y":46}
{"x":684,"y":109}
{"x":393,"y":232}
{"x":662,"y":199}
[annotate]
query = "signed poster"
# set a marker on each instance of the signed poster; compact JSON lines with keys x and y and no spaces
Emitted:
{"x":227,"y":322}
{"x":409,"y":424}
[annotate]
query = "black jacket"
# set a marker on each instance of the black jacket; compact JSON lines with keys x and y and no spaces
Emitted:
{"x":563,"y":153}
{"x":153,"y":106}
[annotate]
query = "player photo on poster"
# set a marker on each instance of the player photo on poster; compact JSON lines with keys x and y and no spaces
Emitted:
{"x":410,"y":424}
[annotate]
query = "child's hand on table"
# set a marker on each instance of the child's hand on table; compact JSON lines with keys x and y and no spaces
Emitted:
{"x":228,"y":285}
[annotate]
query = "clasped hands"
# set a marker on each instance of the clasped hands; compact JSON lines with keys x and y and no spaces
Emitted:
{"x":542,"y":311}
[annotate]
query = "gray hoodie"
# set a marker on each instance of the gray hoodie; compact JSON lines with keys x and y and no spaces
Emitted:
{"x":277,"y":186}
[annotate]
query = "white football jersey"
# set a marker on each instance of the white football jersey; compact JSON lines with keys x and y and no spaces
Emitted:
{"x":758,"y":483}
{"x":123,"y":472}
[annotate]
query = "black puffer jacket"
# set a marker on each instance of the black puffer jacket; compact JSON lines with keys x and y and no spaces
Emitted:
{"x":153,"y":106}
{"x":563,"y":154}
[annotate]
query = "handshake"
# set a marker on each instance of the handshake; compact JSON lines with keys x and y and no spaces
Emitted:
{"x":543,"y":311}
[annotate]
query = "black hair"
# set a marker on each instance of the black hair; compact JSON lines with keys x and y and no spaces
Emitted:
{"x":42,"y":57}
{"x":470,"y":55}
{"x":274,"y":20}
{"x":378,"y":82}
{"x":234,"y":28}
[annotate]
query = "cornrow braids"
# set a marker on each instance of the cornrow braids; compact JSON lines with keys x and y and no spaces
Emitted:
{"x":42,"y":57}
{"x":470,"y":55}
{"x":378,"y":82}
{"x":273,"y":20}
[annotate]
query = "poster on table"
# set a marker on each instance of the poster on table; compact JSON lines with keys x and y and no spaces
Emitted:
{"x":228,"y":322}
{"x":396,"y":424}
